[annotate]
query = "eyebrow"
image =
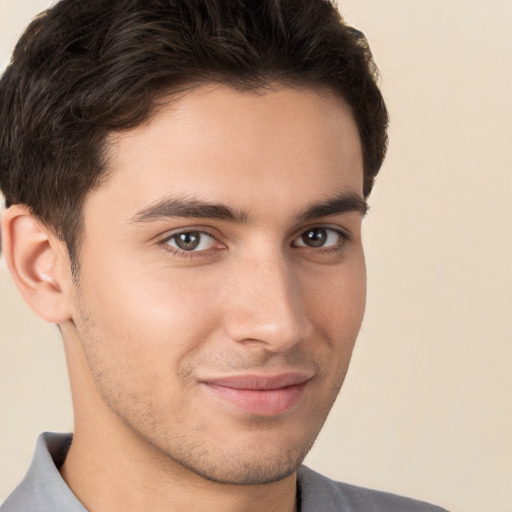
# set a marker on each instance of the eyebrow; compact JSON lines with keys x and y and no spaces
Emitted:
{"x":344,"y":203}
{"x":176,"y":207}
{"x":183,"y":207}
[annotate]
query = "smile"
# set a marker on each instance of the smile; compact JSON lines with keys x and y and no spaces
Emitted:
{"x":260,"y":395}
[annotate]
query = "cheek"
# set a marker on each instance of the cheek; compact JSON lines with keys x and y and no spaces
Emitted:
{"x":338,"y":302}
{"x":152,"y":315}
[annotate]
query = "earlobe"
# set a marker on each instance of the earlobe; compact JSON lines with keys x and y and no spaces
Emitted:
{"x":35,"y":257}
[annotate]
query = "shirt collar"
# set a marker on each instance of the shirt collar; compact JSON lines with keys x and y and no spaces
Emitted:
{"x":43,"y":486}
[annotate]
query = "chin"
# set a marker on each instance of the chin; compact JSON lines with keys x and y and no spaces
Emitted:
{"x":248,"y":472}
{"x":255,"y":465}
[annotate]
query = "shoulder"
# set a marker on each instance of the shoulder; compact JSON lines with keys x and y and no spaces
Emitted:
{"x":321,"y":494}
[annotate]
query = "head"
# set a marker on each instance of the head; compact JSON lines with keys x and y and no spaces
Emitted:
{"x":202,"y":166}
{"x":83,"y":70}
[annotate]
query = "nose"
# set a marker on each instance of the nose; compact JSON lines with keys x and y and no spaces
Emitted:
{"x":266,"y":305}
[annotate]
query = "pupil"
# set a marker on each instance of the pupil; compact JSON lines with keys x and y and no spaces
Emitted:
{"x":315,"y":237}
{"x":187,"y":241}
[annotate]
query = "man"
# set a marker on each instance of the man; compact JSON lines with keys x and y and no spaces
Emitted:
{"x":185,"y":183}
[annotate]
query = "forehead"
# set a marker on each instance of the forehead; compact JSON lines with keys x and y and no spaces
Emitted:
{"x":276,"y":148}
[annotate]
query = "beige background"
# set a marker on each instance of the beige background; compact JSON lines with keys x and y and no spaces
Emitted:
{"x":427,"y":407}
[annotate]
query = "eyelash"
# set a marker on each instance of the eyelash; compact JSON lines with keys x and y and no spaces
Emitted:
{"x":338,"y":248}
{"x":181,"y":253}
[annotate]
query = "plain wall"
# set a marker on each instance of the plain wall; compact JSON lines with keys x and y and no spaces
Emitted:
{"x":427,"y":406}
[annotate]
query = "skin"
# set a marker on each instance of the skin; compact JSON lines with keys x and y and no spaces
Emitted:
{"x":148,"y":326}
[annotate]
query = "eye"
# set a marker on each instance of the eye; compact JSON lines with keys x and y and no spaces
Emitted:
{"x":191,"y":241}
{"x":320,"y":238}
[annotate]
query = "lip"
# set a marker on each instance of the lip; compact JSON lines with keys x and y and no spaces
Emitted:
{"x":262,"y":395}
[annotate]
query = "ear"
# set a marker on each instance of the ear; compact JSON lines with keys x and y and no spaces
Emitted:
{"x":39,"y":263}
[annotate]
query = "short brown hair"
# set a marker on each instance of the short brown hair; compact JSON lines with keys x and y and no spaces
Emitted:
{"x":85,"y":68}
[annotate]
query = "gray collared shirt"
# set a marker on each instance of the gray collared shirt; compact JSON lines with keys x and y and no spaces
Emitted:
{"x":44,"y":490}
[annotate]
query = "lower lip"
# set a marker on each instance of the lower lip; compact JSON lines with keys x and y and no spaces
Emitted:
{"x":268,"y":402}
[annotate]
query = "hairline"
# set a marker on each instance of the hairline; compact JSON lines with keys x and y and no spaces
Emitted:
{"x":168,"y":96}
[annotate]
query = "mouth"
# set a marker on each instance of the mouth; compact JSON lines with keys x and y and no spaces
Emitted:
{"x":260,"y":395}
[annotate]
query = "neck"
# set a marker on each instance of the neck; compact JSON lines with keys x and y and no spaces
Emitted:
{"x":107,"y":473}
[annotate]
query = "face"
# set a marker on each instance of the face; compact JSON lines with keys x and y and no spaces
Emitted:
{"x":222,"y":279}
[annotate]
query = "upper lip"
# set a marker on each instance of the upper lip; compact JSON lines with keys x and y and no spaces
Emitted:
{"x":260,"y":382}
